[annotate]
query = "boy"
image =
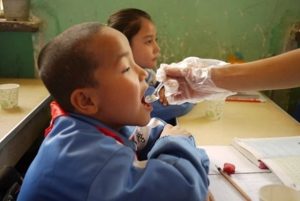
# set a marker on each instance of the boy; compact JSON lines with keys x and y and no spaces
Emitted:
{"x":140,"y":30}
{"x":90,"y":72}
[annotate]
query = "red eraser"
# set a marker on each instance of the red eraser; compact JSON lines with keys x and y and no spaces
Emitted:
{"x":229,"y":168}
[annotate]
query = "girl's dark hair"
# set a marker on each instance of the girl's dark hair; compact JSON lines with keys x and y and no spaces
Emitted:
{"x":128,"y":21}
{"x":66,"y":63}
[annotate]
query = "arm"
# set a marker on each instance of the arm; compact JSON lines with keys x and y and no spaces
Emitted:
{"x":107,"y":170}
{"x":197,"y":83}
{"x":278,"y":72}
{"x":175,"y":170}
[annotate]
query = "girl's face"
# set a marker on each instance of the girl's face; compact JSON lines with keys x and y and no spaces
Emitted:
{"x":121,"y":83}
{"x":144,"y":45}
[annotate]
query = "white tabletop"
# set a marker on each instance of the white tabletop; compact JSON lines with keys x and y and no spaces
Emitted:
{"x":240,"y":119}
{"x":31,"y":93}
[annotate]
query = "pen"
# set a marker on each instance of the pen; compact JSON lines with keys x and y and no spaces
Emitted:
{"x":245,"y":100}
{"x":210,"y":196}
{"x":237,"y":187}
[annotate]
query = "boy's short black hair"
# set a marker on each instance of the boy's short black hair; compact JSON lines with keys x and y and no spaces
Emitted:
{"x":128,"y":21}
{"x":66,"y":63}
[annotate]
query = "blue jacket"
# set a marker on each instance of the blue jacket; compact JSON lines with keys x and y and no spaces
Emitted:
{"x":82,"y":159}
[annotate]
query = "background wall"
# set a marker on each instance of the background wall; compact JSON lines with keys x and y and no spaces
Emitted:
{"x":250,"y":29}
{"x":216,"y":29}
{"x":221,"y":29}
{"x":16,"y":55}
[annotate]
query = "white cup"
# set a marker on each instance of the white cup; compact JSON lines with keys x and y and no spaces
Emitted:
{"x":9,"y":95}
{"x":16,"y":10}
{"x":214,"y":109}
{"x":277,"y":192}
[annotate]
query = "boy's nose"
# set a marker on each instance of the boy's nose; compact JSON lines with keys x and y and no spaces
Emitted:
{"x":143,"y":74}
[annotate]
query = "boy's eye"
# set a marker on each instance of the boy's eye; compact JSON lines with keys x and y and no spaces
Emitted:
{"x":126,"y":70}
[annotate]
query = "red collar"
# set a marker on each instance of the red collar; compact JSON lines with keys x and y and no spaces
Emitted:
{"x":57,"y":111}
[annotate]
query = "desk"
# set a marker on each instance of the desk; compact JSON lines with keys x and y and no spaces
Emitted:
{"x":20,"y":126}
{"x":240,"y":119}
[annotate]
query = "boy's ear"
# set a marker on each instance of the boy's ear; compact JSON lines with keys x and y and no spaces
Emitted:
{"x":84,"y":102}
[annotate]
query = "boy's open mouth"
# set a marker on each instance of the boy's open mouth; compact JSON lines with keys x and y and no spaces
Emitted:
{"x":144,"y":102}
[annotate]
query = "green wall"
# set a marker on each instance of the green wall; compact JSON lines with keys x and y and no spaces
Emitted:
{"x":210,"y":29}
{"x":16,"y":55}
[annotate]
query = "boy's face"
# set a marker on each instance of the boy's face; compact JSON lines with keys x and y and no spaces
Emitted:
{"x":144,"y":45}
{"x":121,"y":82}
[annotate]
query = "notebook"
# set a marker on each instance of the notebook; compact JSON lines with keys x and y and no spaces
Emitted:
{"x":281,"y":155}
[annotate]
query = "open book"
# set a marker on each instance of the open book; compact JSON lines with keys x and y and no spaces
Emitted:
{"x":248,"y":176}
{"x":281,"y":155}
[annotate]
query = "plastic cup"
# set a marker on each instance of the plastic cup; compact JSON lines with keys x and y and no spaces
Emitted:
{"x":276,"y":192}
{"x":214,"y":109}
{"x":9,"y":95}
{"x":16,"y":10}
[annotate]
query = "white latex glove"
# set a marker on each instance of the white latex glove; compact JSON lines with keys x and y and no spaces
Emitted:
{"x":190,"y":81}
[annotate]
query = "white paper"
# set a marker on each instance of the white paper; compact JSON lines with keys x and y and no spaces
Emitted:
{"x":272,"y":147}
{"x":219,"y":155}
{"x":222,"y":190}
{"x":287,"y":169}
{"x":281,"y":155}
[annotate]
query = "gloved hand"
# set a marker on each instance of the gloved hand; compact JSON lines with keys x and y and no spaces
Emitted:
{"x":190,"y":81}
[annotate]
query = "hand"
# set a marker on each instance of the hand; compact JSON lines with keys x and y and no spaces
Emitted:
{"x":170,"y":130}
{"x":190,"y":81}
{"x":186,"y":91}
{"x":193,"y":85}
